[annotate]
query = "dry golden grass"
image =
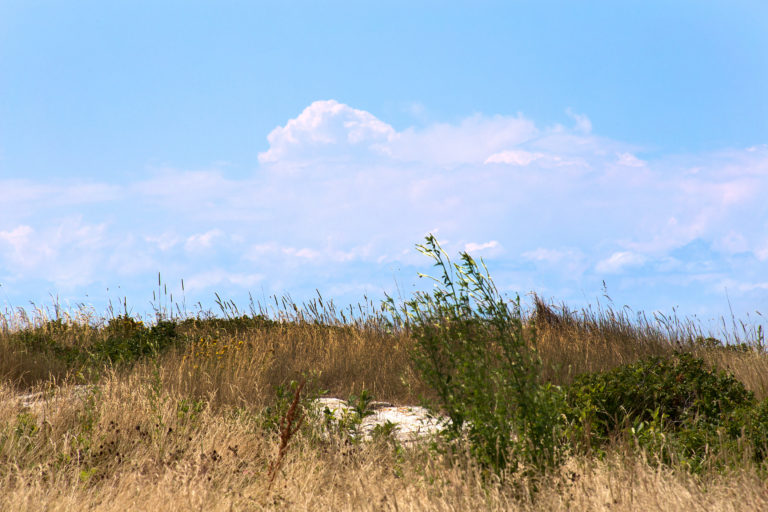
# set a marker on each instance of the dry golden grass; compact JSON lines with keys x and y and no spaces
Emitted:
{"x":188,"y":431}
{"x":571,"y":344}
{"x":751,"y":368}
{"x":244,"y":368}
{"x":148,"y":456}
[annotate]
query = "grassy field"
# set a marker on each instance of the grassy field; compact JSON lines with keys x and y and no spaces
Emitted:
{"x":205,"y":413}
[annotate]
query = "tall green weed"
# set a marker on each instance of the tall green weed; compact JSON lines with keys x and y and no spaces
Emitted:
{"x":473,"y":349}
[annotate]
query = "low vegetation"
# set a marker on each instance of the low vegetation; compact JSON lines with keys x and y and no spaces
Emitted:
{"x":547,"y":408}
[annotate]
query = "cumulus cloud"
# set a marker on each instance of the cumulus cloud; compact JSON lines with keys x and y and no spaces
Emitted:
{"x":326,"y":125}
{"x":568,"y":207}
{"x":469,"y":142}
{"x":22,"y":198}
{"x":524,"y":158}
{"x":335,"y":131}
{"x":733,"y":242}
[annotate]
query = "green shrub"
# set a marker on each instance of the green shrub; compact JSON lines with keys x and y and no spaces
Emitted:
{"x":128,"y":341}
{"x":752,"y":424}
{"x":39,"y":341}
{"x":230,"y":325}
{"x":675,"y":406}
{"x":681,"y":388}
{"x":123,"y":325}
{"x":54,"y":337}
{"x":471,"y":349}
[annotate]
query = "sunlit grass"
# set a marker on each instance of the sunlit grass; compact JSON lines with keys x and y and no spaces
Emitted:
{"x":179,"y":412}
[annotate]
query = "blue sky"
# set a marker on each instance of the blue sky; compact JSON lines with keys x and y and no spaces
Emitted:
{"x":273,"y":147}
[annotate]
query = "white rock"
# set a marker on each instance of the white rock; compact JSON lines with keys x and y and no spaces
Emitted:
{"x":412,"y":423}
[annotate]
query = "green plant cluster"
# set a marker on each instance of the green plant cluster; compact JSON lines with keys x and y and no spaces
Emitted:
{"x":478,"y":356}
{"x":714,"y":343}
{"x":349,"y":423}
{"x":128,"y":340}
{"x":675,"y":407}
{"x":122,"y":341}
{"x":273,"y":413}
{"x":49,"y":339}
{"x":230,"y":325}
{"x":472,"y":349}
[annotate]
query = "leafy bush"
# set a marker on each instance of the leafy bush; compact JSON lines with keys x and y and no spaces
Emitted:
{"x":128,"y":340}
{"x":676,"y":407}
{"x":471,"y":349}
{"x":123,"y":341}
{"x":230,"y":325}
{"x":54,"y":337}
{"x":680,"y":387}
{"x":123,"y":325}
{"x":714,"y":343}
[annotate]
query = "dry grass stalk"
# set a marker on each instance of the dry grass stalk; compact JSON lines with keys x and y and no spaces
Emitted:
{"x":289,"y":425}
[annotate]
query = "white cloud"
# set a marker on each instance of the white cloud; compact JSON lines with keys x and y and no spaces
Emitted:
{"x":202,"y":241}
{"x":62,"y":253}
{"x":484,"y":247}
{"x":569,"y":263}
{"x":20,"y":249}
{"x":733,"y":242}
{"x":469,"y":142}
{"x":257,"y":251}
{"x":739,"y":286}
{"x":24,"y":198}
{"x":164,"y":242}
{"x":619,"y":261}
{"x":583,"y":124}
{"x":748,"y":287}
{"x":546,"y":255}
{"x":572,"y":204}
{"x":325,"y":124}
{"x":524,"y":158}
{"x":305,"y":253}
{"x":514,"y":157}
{"x":329,"y":254}
{"x":334,"y":131}
{"x":629,"y":160}
{"x":209,"y":280}
{"x":761,"y":250}
{"x":417,"y":109}
{"x":200,"y":193}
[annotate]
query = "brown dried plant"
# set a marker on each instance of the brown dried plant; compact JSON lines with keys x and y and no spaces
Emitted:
{"x":289,"y":425}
